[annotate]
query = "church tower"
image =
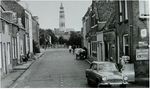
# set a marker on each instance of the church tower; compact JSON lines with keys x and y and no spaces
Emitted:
{"x":62,"y":19}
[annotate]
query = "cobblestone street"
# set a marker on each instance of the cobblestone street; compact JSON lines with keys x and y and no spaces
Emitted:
{"x":57,"y":68}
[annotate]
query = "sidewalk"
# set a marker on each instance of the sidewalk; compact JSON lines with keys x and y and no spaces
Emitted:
{"x":17,"y":72}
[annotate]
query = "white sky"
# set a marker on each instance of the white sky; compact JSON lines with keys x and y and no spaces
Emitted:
{"x":48,"y":12}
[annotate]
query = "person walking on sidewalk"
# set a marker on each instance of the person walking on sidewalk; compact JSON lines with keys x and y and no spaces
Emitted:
{"x":73,"y":48}
{"x":70,"y":47}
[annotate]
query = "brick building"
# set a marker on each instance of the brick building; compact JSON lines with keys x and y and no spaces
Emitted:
{"x":132,"y":34}
{"x":113,"y":30}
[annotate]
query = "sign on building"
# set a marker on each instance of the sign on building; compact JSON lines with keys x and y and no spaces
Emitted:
{"x":143,"y":33}
{"x":142,"y":54}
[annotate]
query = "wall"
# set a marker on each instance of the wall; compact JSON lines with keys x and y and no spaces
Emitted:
{"x":141,"y":66}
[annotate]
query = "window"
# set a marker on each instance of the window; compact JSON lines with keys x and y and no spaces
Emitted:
{"x":6,"y":28}
{"x":3,"y":27}
{"x":61,"y":15}
{"x":120,"y":11}
{"x":120,"y":6}
{"x":61,"y":11}
{"x":94,"y":21}
{"x":62,"y":24}
{"x":126,"y":45}
{"x":0,"y":25}
{"x":126,"y":9}
{"x":94,"y":67}
{"x":1,"y":55}
{"x":143,"y":8}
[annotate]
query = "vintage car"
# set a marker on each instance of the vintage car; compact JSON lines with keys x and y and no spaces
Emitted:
{"x":105,"y":74}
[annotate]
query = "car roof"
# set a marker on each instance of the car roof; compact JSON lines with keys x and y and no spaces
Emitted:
{"x":97,"y":62}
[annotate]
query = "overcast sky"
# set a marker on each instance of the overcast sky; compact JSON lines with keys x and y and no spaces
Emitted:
{"x":48,"y":12}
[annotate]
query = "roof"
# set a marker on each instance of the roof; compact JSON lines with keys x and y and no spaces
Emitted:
{"x":13,"y":6}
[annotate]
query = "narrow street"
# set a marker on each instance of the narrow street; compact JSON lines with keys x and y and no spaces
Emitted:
{"x":56,"y":68}
{"x":110,"y":39}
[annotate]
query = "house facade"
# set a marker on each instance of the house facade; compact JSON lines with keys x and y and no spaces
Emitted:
{"x":15,"y":35}
{"x":132,"y":34}
{"x":94,"y":26}
{"x":118,"y":30}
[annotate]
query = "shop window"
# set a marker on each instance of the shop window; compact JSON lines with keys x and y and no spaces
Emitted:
{"x":143,"y":8}
{"x":126,"y":45}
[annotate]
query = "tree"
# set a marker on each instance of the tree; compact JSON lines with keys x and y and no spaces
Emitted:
{"x":44,"y":37}
{"x":36,"y":48}
{"x":75,"y":39}
{"x":61,"y":40}
{"x":54,"y":39}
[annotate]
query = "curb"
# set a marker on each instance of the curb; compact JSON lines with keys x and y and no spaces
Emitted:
{"x":10,"y":86}
{"x":142,"y":81}
{"x":88,"y":61}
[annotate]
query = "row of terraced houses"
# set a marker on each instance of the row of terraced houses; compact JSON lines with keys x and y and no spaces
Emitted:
{"x":18,"y":30}
{"x":118,"y":29}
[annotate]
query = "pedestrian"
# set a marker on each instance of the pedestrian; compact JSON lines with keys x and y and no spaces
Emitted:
{"x":70,"y":47}
{"x":86,"y":52}
{"x":123,"y":62}
{"x":73,"y":48}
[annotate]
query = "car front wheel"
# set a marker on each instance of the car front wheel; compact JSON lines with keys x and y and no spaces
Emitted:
{"x":89,"y":82}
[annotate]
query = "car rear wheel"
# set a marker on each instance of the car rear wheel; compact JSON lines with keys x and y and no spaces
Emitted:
{"x":123,"y":86}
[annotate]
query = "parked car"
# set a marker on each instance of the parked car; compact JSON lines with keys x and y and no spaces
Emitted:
{"x":105,"y":74}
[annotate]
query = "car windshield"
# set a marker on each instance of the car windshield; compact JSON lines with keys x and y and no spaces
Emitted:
{"x":107,"y":67}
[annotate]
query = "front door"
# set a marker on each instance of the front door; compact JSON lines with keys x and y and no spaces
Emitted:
{"x":100,"y":52}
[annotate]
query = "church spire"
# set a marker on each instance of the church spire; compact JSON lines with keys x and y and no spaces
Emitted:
{"x":61,"y":6}
{"x":62,"y":18}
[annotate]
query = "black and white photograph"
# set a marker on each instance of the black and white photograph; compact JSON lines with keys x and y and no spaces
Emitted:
{"x":74,"y":43}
